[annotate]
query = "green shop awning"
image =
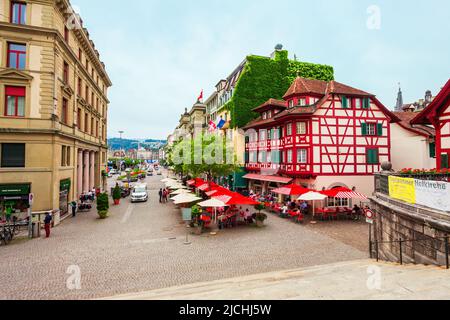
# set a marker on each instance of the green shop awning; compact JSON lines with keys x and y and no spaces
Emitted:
{"x":14,"y":189}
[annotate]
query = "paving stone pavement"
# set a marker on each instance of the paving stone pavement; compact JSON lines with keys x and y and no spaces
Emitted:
{"x":140,"y":248}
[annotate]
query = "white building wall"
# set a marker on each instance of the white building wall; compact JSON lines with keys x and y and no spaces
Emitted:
{"x":409,"y":150}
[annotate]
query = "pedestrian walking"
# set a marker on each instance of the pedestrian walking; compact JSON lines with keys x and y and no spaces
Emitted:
{"x":74,"y":208}
{"x":160,"y":195}
{"x":47,"y":223}
{"x":165,"y":196}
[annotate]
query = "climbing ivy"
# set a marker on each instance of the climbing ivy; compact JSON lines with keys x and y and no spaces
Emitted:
{"x":264,"y":78}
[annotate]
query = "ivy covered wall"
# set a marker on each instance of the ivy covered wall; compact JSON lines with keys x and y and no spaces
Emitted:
{"x":264,"y":78}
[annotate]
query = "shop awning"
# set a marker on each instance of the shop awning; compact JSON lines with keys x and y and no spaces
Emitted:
{"x":261,"y":177}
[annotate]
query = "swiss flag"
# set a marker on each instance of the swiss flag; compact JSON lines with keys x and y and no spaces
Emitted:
{"x":200,"y":97}
{"x":212,"y":126}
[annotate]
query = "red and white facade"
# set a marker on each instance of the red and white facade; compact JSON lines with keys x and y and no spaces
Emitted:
{"x":438,"y":115}
{"x":323,"y":135}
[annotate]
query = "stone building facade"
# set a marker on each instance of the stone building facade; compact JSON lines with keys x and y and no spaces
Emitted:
{"x":53,"y":105}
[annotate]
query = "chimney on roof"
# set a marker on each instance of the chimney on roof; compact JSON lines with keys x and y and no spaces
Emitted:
{"x":278,"y":48}
{"x":428,"y":96}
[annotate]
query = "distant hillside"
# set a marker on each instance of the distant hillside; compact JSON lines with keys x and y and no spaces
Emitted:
{"x":119,"y":144}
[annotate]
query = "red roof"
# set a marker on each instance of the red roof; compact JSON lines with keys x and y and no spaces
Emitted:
{"x":319,"y":87}
{"x":405,"y":122}
{"x":271,"y":103}
{"x":430,"y":113}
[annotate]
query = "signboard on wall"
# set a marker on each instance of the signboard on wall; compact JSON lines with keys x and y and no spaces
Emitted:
{"x":433,"y":194}
{"x":402,"y":189}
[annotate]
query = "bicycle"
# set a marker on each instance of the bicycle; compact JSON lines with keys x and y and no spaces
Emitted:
{"x":5,"y":235}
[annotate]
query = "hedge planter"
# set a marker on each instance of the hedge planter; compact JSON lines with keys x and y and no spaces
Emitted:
{"x":102,"y":205}
{"x":103,"y":214}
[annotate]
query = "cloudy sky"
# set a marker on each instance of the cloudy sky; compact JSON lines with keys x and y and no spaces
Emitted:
{"x":161,"y":53}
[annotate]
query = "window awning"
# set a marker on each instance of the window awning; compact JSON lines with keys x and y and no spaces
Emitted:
{"x":261,"y":177}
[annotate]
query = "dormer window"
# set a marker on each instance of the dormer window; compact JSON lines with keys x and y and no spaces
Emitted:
{"x":302,"y":102}
{"x":269,"y":114}
{"x":291,"y":104}
{"x":264,"y":115}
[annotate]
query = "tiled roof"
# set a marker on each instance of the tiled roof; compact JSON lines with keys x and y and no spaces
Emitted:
{"x":258,"y":122}
{"x":432,"y":110}
{"x":304,"y":86}
{"x":271,"y":103}
{"x":297,"y":111}
{"x":405,"y":122}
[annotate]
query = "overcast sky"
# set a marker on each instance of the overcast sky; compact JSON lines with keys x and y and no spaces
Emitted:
{"x":161,"y":53}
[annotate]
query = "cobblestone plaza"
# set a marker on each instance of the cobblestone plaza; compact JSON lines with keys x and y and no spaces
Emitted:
{"x":140,"y":247}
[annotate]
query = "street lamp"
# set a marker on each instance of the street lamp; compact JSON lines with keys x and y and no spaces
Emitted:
{"x":121,"y":146}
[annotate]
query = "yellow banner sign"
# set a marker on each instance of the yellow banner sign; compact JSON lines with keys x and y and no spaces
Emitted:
{"x":402,"y":189}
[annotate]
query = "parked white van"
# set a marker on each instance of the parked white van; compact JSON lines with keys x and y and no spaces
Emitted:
{"x":139,"y":193}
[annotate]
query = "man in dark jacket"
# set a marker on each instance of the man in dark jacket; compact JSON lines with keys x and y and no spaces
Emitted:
{"x":47,"y":222}
{"x":160,"y":195}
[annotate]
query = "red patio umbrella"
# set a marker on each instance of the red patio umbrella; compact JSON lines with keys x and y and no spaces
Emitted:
{"x":218,"y":191}
{"x":236,"y":199}
{"x":292,"y":190}
{"x":343,"y":193}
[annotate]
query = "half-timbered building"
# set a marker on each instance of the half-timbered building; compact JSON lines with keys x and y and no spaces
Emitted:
{"x":437,"y":114}
{"x":321,"y":135}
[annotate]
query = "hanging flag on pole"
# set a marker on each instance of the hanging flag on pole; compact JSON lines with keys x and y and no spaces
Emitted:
{"x":212,"y":126}
{"x":221,"y":123}
{"x":200,"y":97}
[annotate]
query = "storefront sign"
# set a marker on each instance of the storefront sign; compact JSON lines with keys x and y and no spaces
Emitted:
{"x":187,"y":214}
{"x":433,"y":194}
{"x":402,"y":189}
{"x":15,"y":190}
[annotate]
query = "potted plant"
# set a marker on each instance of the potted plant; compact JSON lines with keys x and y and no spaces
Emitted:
{"x":117,"y":195}
{"x":197,"y":224}
{"x":260,"y":216}
{"x":102,"y":205}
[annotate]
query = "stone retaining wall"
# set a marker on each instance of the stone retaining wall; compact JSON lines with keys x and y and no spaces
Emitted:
{"x":423,"y":230}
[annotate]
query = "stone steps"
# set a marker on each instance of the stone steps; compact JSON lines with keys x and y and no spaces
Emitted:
{"x":345,"y":280}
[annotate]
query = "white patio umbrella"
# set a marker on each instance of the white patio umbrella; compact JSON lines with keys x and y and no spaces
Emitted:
{"x":176,"y":186}
{"x":213,"y":203}
{"x":180,"y":191}
{"x":179,"y":196}
{"x":168,"y":180}
{"x":186,"y":198}
{"x":313,"y":196}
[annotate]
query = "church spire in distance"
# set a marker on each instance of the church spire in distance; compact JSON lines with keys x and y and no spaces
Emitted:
{"x":399,"y":106}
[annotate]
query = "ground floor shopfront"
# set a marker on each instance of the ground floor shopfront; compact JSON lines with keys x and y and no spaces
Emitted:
{"x":263,"y":184}
{"x":55,"y":168}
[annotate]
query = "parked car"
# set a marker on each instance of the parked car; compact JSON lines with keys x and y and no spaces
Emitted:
{"x":159,"y":173}
{"x":139,"y":193}
{"x":150,"y":173}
